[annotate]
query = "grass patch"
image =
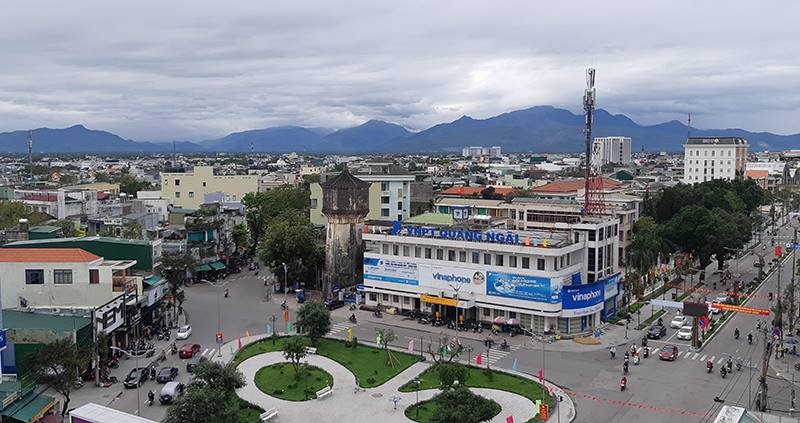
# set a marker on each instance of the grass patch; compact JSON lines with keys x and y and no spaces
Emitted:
{"x":426,"y":410}
{"x":278,"y":380}
{"x":368,"y":364}
{"x":248,"y":413}
{"x":480,"y":378}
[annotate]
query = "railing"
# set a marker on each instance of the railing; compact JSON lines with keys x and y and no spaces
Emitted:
{"x":119,"y":283}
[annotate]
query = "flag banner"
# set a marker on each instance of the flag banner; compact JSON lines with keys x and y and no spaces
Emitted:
{"x":510,"y":419}
{"x":378,"y":339}
{"x":479,"y":359}
{"x":514,"y":365}
{"x":286,"y":316}
{"x":541,"y":375}
{"x":269,"y":330}
{"x":349,"y":334}
{"x":411,"y":345}
{"x":289,"y":327}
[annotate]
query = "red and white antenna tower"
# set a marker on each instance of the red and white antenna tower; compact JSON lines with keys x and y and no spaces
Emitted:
{"x":594,"y":201}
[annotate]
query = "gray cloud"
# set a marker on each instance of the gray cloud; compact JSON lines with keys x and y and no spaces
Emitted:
{"x":197,"y":69}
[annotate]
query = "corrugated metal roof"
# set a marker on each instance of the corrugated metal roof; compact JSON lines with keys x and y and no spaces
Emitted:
{"x":15,"y":319}
{"x":46,"y":255}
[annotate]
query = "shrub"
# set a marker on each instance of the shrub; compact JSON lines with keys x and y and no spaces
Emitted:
{"x":370,"y":380}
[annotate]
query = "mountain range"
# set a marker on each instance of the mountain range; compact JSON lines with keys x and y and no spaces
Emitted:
{"x":536,"y":129}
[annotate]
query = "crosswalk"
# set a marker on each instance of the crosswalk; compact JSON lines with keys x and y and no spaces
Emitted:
{"x":340,"y":327}
{"x":699,"y":357}
{"x":208,"y":353}
{"x":495,"y":354}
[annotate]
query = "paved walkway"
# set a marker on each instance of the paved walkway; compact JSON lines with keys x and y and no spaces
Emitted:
{"x":346,"y":402}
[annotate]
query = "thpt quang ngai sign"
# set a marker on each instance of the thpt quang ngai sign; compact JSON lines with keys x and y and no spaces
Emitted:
{"x":740,"y":309}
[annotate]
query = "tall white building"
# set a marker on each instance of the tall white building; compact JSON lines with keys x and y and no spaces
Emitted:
{"x":707,"y":158}
{"x":478,"y":151}
{"x":613,"y":150}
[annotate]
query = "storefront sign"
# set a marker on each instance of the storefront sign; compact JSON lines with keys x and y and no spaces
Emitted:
{"x":110,"y":316}
{"x":523,"y":287}
{"x":393,"y":271}
{"x":582,"y":300}
{"x":2,"y":339}
{"x":457,"y":234}
{"x":449,"y":278}
{"x":438,"y":300}
{"x":611,"y":284}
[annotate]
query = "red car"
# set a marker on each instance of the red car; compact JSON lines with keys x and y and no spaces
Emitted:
{"x":188,"y":350}
{"x":669,"y":353}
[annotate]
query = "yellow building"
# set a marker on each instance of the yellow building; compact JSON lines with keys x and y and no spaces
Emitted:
{"x":187,"y":189}
{"x":108,"y":187}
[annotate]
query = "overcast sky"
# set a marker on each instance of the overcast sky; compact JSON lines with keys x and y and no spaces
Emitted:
{"x":200,"y":69}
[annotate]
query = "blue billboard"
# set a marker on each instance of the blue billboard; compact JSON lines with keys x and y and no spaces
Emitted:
{"x":522,"y":287}
{"x":582,"y":299}
{"x":393,"y":271}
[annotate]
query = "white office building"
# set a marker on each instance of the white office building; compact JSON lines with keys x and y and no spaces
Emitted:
{"x":538,"y":278}
{"x":613,"y":150}
{"x":707,"y":158}
{"x":479,"y":151}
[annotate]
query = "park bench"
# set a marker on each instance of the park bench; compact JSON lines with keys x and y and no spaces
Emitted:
{"x":265,"y":416}
{"x":324,"y":392}
{"x":311,"y":350}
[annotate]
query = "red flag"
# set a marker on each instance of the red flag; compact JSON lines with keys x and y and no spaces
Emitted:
{"x":778,"y":251}
{"x":240,"y":342}
{"x":541,"y":375}
{"x":510,"y":419}
{"x":286,"y":315}
{"x":479,"y":359}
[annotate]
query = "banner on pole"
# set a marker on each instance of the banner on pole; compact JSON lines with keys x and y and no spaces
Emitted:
{"x":514,"y":365}
{"x":541,"y":375}
{"x":411,"y":345}
{"x":479,"y":359}
{"x":286,"y":315}
{"x":289,"y":327}
{"x":350,"y":334}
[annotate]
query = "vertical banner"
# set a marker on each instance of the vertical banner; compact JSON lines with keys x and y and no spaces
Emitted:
{"x":510,"y":419}
{"x":239,"y":342}
{"x":514,"y":365}
{"x":286,"y":315}
{"x":350,"y":334}
{"x":411,"y":345}
{"x":289,"y":327}
{"x":479,"y":359}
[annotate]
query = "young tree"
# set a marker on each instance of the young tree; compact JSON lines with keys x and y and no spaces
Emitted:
{"x":295,"y":350}
{"x":202,"y":404}
{"x":240,"y":236}
{"x":174,"y":270}
{"x":216,"y":376}
{"x":132,"y":230}
{"x":449,"y":373}
{"x":386,"y":337}
{"x":314,"y":319}
{"x":58,"y":365}
{"x":67,"y":228}
{"x":460,"y":405}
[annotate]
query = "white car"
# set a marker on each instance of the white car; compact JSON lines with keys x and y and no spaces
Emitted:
{"x":685,"y":333}
{"x":711,"y":308}
{"x":721,"y":298}
{"x":678,"y":321}
{"x":184,"y":332}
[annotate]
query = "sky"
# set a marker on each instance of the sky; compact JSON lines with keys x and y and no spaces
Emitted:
{"x":193,"y":70}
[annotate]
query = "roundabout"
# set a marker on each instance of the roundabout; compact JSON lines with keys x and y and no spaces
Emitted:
{"x":282,"y":381}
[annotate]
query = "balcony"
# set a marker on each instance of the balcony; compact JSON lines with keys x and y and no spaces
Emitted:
{"x":124,"y":283}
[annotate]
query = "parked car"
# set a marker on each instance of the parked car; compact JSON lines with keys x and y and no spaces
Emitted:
{"x":170,"y":392}
{"x":656,"y":332}
{"x":189,"y":350}
{"x":184,"y":332}
{"x":669,"y":353}
{"x":194,"y":362}
{"x":678,"y":321}
{"x":711,"y":308}
{"x":136,"y":377}
{"x":167,"y":374}
{"x":334,"y":304}
{"x":722,"y":298}
{"x":685,"y":333}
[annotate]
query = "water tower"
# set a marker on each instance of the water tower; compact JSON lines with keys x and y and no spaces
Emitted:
{"x":345,"y":203}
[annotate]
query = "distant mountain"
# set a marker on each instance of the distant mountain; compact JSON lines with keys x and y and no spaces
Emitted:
{"x":373,"y":135}
{"x":79,"y":139}
{"x":537,"y":129}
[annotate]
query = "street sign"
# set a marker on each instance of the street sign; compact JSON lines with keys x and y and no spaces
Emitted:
{"x":219,"y":337}
{"x":703,"y":322}
{"x":740,"y":309}
{"x":793,"y":245}
{"x":667,"y":304}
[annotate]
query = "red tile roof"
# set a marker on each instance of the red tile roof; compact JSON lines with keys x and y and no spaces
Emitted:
{"x":46,"y":255}
{"x":475,"y":191}
{"x":573,"y":185}
{"x":757,"y":174}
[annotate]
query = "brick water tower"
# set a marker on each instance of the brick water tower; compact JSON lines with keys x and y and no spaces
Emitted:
{"x":345,"y":203}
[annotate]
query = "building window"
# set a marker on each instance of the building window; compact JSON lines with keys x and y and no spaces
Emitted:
{"x":406,"y":301}
{"x":384,"y":200}
{"x":384,"y":186}
{"x":399,"y":205}
{"x":62,"y":276}
{"x":314,"y":203}
{"x":427,"y":253}
{"x":487,"y":259}
{"x":591,"y":262}
{"x":462,"y":256}
{"x":406,"y":250}
{"x":600,"y":234}
{"x":577,"y":237}
{"x":177,"y":194}
{"x":439,"y":254}
{"x":385,"y":248}
{"x":451,"y":255}
{"x":373,"y":296}
{"x":34,"y":277}
{"x":417,"y":251}
{"x":191,"y":194}
{"x":591,"y":236}
{"x":540,"y":264}
{"x":94,"y":276}
{"x":562,"y":261}
{"x":399,"y":217}
{"x":177,"y":182}
{"x":204,"y":183}
{"x":487,"y":312}
{"x":385,"y":212}
{"x":395,"y":299}
{"x":512,"y":314}
{"x":512,"y":261}
{"x":526,"y":262}
{"x":386,"y":298}
{"x":395,"y":250}
{"x":498,"y":260}
{"x":555,"y":263}
{"x":476,"y":257}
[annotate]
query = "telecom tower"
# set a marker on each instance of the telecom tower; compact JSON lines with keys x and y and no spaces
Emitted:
{"x":594,"y":201}
{"x":30,"y":155}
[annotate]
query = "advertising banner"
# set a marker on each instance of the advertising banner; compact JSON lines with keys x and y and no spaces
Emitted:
{"x":523,"y":287}
{"x":611,"y":284}
{"x":582,"y":300}
{"x":110,"y":315}
{"x":394,"y":271}
{"x":445,"y":278}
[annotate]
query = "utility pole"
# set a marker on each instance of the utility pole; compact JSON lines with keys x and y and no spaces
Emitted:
{"x":761,"y":401}
{"x":30,"y":155}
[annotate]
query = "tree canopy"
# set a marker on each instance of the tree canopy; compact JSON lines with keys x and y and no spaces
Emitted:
{"x":294,"y":241}
{"x":263,"y":207}
{"x":216,"y":376}
{"x":57,"y":365}
{"x":314,"y":319}
{"x":202,"y":404}
{"x":460,"y":405}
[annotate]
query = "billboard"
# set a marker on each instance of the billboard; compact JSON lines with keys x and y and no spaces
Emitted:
{"x":523,"y":287}
{"x":582,"y":300}
{"x":110,"y":315}
{"x":393,"y":271}
{"x":611,"y":285}
{"x":446,"y":278}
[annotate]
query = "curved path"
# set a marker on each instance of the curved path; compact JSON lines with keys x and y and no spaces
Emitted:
{"x":371,"y":404}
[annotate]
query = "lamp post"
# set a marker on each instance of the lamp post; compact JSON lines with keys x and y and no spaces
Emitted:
{"x":455,"y":296}
{"x":417,"y":382}
{"x":285,"y":282}
{"x":219,"y":311}
{"x":135,"y":356}
{"x":761,"y":254}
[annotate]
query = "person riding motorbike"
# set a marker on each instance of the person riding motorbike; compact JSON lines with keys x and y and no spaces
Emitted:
{"x":644,"y":341}
{"x":723,"y":371}
{"x":504,"y":345}
{"x":626,"y":357}
{"x":613,"y":351}
{"x":736,"y":333}
{"x":749,"y":338}
{"x":353,"y":317}
{"x":646,"y":352}
{"x":709,"y":366}
{"x":623,"y":383}
{"x":625,"y":367}
{"x":636,"y":359}
{"x":150,"y":397}
{"x":633,"y":349}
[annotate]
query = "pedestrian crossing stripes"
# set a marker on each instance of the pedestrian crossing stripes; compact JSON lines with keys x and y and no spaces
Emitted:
{"x":688,"y":355}
{"x":340,"y":327}
{"x":494,"y":355}
{"x":208,"y":352}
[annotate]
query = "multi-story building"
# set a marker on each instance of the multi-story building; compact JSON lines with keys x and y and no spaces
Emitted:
{"x":613,"y":150}
{"x":63,"y":277}
{"x":478,"y":151}
{"x":61,"y":203}
{"x":187,"y":189}
{"x":389,"y":194}
{"x":563,"y":280}
{"x":708,"y":158}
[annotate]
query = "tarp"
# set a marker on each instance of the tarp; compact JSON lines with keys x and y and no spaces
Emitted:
{"x":216,"y":265}
{"x":202,"y":268}
{"x":152,"y":280}
{"x":30,"y":408}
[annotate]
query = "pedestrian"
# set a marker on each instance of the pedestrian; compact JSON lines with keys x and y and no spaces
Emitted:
{"x":613,"y":351}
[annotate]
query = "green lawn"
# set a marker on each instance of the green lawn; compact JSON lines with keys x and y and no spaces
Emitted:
{"x":278,"y":380}
{"x":479,"y":379}
{"x":426,"y":410}
{"x":368,"y":364}
{"x":248,"y":413}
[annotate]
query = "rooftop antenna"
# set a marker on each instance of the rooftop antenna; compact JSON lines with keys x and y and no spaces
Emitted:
{"x":30,"y":155}
{"x":689,"y":127}
{"x":594,"y":201}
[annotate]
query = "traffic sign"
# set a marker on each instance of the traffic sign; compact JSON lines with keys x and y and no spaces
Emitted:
{"x":793,"y":245}
{"x":219,"y":337}
{"x":703,"y":321}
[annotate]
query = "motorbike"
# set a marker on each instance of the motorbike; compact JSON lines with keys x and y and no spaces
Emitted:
{"x":736,"y":334}
{"x":352,"y":307}
{"x":353,"y":318}
{"x":377,"y":313}
{"x":113,"y":363}
{"x":504,"y":346}
{"x":636,"y":360}
{"x":750,"y":338}
{"x":150,"y":397}
{"x":163,"y":356}
{"x":173,"y":349}
{"x":723,"y":372}
{"x":646,"y":352}
{"x":709,"y":366}
{"x":625,"y":368}
{"x":738,"y":366}
{"x":623,"y":384}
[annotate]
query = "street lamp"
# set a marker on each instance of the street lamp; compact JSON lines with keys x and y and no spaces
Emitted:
{"x":417,"y":382}
{"x":136,"y":356}
{"x":219,"y":312}
{"x":455,"y":296}
{"x":285,"y":281}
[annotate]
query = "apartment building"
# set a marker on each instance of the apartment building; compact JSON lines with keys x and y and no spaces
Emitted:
{"x":708,"y":158}
{"x":187,"y":189}
{"x":613,"y":150}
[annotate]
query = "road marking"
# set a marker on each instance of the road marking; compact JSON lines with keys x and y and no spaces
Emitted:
{"x":679,"y":353}
{"x":703,"y":358}
{"x":211,"y":353}
{"x":695,"y":356}
{"x":712,"y":359}
{"x":721,"y":360}
{"x":204,"y":352}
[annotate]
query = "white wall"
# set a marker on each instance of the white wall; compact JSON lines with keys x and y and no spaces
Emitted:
{"x":78,"y":294}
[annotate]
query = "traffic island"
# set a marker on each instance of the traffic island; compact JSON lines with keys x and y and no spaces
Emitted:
{"x":283,"y":381}
{"x":457,"y":404}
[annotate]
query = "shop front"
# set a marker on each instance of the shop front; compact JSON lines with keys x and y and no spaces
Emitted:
{"x":611,"y":295}
{"x":581,"y":308}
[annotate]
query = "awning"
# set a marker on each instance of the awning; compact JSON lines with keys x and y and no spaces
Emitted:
{"x":152,"y":280}
{"x":202,"y":268}
{"x":438,"y":300}
{"x":30,"y":408}
{"x":216,"y":265}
